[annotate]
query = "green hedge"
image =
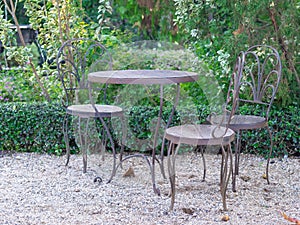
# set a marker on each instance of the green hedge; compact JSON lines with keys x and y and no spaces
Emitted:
{"x":37,"y":127}
{"x":284,"y":123}
{"x":31,"y":127}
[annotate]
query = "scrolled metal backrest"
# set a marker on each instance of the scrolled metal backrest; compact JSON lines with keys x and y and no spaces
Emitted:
{"x":231,"y":104}
{"x":75,"y":59}
{"x":261,"y":74}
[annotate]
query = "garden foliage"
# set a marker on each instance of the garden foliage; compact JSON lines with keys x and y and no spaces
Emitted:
{"x":219,"y":30}
{"x":213,"y":31}
{"x":31,"y":127}
{"x":36,"y":127}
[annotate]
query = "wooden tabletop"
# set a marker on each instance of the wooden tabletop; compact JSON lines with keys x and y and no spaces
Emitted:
{"x":142,"y":77}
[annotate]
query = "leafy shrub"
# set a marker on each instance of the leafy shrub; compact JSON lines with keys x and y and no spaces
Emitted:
{"x":19,"y":85}
{"x":37,"y":127}
{"x":32,"y":127}
{"x":231,"y":26}
{"x":14,"y":86}
{"x":284,"y":123}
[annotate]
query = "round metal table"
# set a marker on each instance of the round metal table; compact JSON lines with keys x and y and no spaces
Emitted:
{"x":148,"y":77}
{"x":142,"y":77}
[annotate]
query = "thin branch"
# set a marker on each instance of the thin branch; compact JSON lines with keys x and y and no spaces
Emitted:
{"x":283,"y":46}
{"x":59,"y":22}
{"x":12,"y":10}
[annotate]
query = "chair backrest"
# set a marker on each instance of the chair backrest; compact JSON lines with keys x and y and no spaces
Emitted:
{"x":259,"y":76}
{"x":75,"y":59}
{"x":231,"y":102}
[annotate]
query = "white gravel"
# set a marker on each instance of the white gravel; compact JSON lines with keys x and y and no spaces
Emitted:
{"x":40,"y":189}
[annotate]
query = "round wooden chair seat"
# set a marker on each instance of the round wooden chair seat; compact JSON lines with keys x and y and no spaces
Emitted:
{"x":242,"y":122}
{"x":87,"y":110}
{"x":199,"y":135}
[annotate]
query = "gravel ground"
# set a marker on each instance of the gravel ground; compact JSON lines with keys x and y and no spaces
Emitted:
{"x":40,"y":189}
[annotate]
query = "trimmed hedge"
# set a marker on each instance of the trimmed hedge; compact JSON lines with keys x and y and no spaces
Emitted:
{"x":284,"y":123}
{"x":31,"y":127}
{"x":37,"y":127}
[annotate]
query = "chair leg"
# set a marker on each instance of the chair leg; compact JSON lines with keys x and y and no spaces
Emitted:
{"x":66,"y":138}
{"x":84,"y":157}
{"x":124,"y":135}
{"x":225,"y":173}
{"x":161,"y":164}
{"x":238,"y":151}
{"x":172,"y":151}
{"x":200,"y":148}
{"x":83,"y":144}
{"x":237,"y":160}
{"x":222,"y":166}
{"x":270,"y":154}
{"x":204,"y":163}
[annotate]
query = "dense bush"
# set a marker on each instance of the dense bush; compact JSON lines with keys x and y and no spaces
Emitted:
{"x":31,"y":127}
{"x":37,"y":127}
{"x":284,"y":123}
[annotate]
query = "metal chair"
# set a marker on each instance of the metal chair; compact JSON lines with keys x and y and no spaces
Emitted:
{"x":204,"y":135}
{"x":260,"y":76}
{"x":200,"y":135}
{"x":75,"y":59}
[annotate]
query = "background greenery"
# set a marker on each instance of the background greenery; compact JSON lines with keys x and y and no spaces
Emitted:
{"x":206,"y":36}
{"x":32,"y":127}
{"x":36,"y":127}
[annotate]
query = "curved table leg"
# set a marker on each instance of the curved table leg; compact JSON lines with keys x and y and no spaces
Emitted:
{"x":155,"y":140}
{"x":103,"y":140}
{"x":112,"y":146}
{"x":167,"y":125}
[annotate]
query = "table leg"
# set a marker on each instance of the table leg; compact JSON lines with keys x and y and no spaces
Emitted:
{"x":112,"y":146}
{"x":155,"y":189}
{"x":167,"y":125}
